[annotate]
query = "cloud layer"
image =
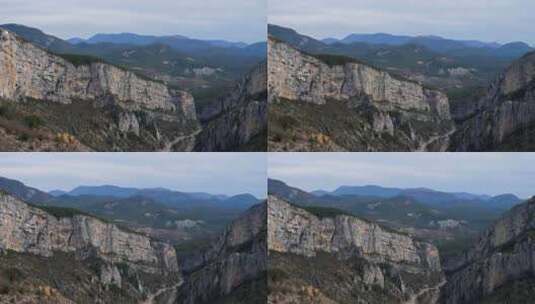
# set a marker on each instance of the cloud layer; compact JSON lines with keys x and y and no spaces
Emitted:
{"x":484,"y":173}
{"x":236,"y":20}
{"x":216,"y":173}
{"x":487,"y":20}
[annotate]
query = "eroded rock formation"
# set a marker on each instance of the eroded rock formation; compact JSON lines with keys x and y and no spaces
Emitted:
{"x":508,"y":107}
{"x":236,"y":259}
{"x":31,"y":72}
{"x":418,"y":116}
{"x":106,"y":104}
{"x":388,"y":258}
{"x":502,"y":254}
{"x":295,"y":230}
{"x":27,"y":229}
{"x":79,"y":257}
{"x":238,"y":117}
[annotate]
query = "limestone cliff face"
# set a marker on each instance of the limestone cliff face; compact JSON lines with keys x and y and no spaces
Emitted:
{"x":505,"y":252}
{"x":239,"y":116}
{"x":112,"y":109}
{"x":237,"y":258}
{"x":508,"y":106}
{"x":31,"y":72}
{"x":26,"y":229}
{"x":294,"y":230}
{"x":296,"y":76}
{"x":389,"y":261}
{"x":519,"y":75}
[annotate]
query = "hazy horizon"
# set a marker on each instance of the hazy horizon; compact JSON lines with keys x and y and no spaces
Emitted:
{"x":477,"y":173}
{"x":214,"y":173}
{"x":501,"y":21}
{"x":394,"y":34}
{"x":232,"y":20}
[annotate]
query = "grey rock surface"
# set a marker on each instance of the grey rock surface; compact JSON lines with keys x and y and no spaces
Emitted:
{"x":238,"y":116}
{"x":236,"y":258}
{"x":27,"y":229}
{"x":508,"y":106}
{"x":388,"y":104}
{"x":505,"y":252}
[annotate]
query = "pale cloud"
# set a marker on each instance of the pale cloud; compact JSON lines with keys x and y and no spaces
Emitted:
{"x":236,"y":20}
{"x":485,"y":173}
{"x":488,"y":20}
{"x":226,"y":173}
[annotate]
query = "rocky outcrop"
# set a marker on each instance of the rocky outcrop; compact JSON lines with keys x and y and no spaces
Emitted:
{"x":235,"y":259}
{"x":238,"y":117}
{"x":504,"y":253}
{"x":297,"y":231}
{"x":508,"y":107}
{"x":294,"y":75}
{"x":390,"y":256}
{"x":27,"y":229}
{"x":31,"y":72}
{"x":109,"y":108}
{"x":394,"y":104}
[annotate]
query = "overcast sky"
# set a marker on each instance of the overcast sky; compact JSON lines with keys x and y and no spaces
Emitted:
{"x":216,"y":173}
{"x":486,"y":20}
{"x":235,"y":20}
{"x":480,"y":173}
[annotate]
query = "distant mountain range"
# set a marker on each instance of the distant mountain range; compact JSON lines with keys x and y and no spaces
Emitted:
{"x":37,"y":37}
{"x":135,"y":39}
{"x":161,"y":195}
{"x":23,"y":192}
{"x":116,"y":38}
{"x":435,"y":43}
{"x":176,"y":42}
{"x":425,"y":195}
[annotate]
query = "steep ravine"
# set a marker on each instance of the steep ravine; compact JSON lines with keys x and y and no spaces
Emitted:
{"x":503,"y":255}
{"x":238,"y":117}
{"x":504,"y":119}
{"x":237,"y":260}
